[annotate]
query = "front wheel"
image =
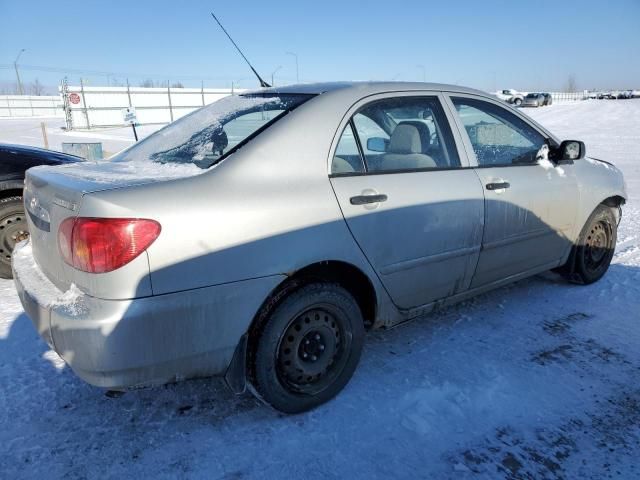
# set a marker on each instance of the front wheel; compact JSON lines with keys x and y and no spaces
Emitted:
{"x":517,"y":102}
{"x":596,"y":245}
{"x":13,"y":229}
{"x":308,"y":348}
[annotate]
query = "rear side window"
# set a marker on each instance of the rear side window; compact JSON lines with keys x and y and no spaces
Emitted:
{"x":347,"y":158}
{"x":401,"y":134}
{"x":498,"y":136}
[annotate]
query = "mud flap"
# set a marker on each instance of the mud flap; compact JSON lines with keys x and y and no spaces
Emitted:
{"x":235,"y":376}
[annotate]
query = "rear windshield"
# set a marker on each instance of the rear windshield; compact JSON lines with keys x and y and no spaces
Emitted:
{"x":209,"y":134}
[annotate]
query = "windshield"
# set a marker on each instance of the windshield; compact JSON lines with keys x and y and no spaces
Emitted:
{"x":207,"y":135}
{"x":532,"y":95}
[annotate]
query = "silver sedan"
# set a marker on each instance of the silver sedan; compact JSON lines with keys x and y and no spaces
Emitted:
{"x":261,"y":236}
{"x":533,"y":100}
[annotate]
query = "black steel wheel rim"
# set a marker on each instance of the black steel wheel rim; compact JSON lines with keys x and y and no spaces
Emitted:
{"x":597,"y":246}
{"x":13,"y":229}
{"x":313,"y":350}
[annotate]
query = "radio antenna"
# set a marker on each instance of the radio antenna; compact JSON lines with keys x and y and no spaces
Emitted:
{"x":262,"y":82}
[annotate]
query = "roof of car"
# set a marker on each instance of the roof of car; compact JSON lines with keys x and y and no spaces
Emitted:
{"x":37,"y":152}
{"x":368,"y":88}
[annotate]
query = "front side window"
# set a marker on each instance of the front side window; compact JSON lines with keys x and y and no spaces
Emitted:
{"x":209,"y":134}
{"x":498,"y":136}
{"x":405,"y":133}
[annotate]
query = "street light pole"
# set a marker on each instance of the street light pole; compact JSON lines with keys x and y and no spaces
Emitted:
{"x":295,"y":55}
{"x":273,"y":83}
{"x":15,"y":65}
{"x":424,"y":72}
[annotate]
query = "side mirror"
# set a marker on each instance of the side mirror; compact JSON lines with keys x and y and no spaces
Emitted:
{"x":377,"y":144}
{"x":571,"y":150}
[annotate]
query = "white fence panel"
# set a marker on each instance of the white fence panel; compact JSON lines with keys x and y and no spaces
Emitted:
{"x":30,"y":106}
{"x":568,"y":96}
{"x":102,"y":106}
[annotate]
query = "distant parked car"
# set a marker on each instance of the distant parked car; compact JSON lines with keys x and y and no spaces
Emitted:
{"x":548,"y":99}
{"x":258,"y":237}
{"x":511,"y":96}
{"x":534,"y":100}
{"x":617,"y":95}
{"x":14,"y":161}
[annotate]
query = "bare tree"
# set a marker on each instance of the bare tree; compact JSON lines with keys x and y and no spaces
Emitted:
{"x":571,"y":83}
{"x":148,"y":83}
{"x":36,"y":88}
{"x":177,"y":85}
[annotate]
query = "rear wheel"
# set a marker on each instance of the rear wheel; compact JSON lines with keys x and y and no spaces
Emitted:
{"x":308,"y":348}
{"x":13,"y":229}
{"x":592,"y":255}
{"x":517,"y":102}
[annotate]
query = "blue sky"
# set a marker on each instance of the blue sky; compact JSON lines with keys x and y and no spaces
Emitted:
{"x":484,"y":44}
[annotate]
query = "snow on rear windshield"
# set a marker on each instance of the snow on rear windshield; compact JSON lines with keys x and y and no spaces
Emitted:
{"x":205,"y":136}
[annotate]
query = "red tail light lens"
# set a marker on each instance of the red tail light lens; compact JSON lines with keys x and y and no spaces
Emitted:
{"x":100,"y":245}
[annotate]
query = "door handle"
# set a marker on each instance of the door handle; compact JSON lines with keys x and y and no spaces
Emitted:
{"x":364,"y":199}
{"x":498,"y":185}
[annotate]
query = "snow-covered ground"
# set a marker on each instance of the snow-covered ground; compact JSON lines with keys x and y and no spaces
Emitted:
{"x":540,"y":379}
{"x":28,"y":131}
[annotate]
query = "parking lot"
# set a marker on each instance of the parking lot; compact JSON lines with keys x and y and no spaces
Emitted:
{"x":540,"y":379}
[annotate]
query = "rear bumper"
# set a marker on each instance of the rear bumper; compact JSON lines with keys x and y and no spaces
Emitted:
{"x":145,"y":341}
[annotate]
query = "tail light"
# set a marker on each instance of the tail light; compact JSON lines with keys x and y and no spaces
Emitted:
{"x":100,"y":245}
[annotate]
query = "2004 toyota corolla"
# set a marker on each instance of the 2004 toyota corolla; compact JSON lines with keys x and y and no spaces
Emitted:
{"x":260,"y":236}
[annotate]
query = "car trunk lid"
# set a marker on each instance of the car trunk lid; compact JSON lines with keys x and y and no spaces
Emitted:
{"x":53,"y":194}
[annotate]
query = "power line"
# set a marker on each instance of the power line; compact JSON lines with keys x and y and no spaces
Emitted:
{"x":65,"y":70}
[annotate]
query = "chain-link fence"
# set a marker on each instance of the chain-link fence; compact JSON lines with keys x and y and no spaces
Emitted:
{"x":568,"y":96}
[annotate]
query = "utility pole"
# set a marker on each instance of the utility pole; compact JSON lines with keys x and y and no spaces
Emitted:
{"x":273,"y":83}
{"x":295,"y":55}
{"x":15,"y":65}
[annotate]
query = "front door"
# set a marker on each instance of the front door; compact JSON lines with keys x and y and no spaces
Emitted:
{"x":413,"y":210}
{"x":530,"y":202}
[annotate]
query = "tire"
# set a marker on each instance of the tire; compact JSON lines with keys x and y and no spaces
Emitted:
{"x":591,"y":257}
{"x":13,"y":229}
{"x":307,"y":348}
{"x":517,"y":102}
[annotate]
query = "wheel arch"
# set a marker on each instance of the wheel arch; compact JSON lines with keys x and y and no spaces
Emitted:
{"x":11,"y":189}
{"x":614,"y":201}
{"x":347,"y":275}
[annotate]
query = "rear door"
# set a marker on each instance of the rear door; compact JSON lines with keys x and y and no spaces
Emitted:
{"x":530,"y":202}
{"x":412,"y":206}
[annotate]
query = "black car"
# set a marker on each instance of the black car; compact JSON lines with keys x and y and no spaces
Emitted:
{"x":14,"y":161}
